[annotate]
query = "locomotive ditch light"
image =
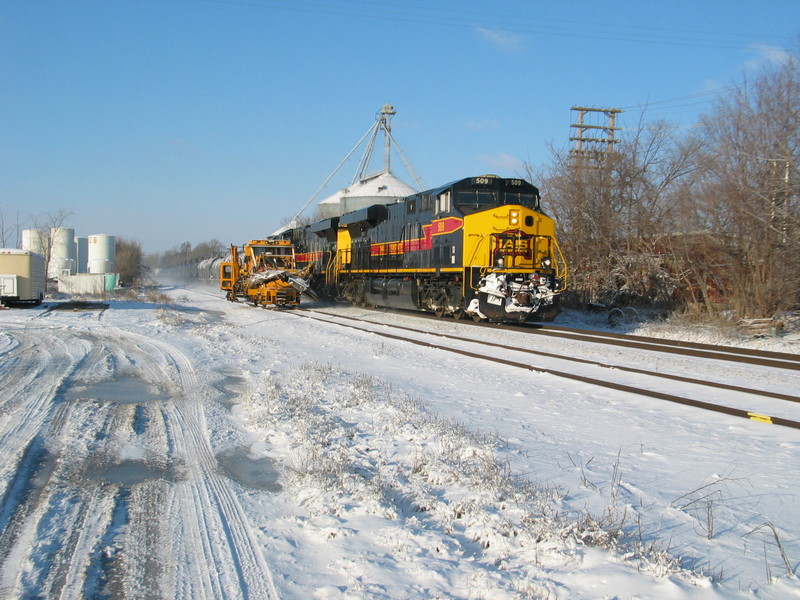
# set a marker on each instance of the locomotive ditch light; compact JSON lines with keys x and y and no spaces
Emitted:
{"x":546,"y":262}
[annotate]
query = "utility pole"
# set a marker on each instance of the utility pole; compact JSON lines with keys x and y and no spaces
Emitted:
{"x":587,"y":143}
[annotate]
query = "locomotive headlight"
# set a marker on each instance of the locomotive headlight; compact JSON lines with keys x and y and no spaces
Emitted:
{"x":513,"y":217}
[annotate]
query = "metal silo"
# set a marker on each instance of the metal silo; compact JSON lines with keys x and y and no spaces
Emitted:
{"x":35,"y":240}
{"x":62,"y":252}
{"x":102,"y":253}
{"x":81,"y":254}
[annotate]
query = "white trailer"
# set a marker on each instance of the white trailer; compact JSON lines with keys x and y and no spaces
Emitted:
{"x":22,"y":276}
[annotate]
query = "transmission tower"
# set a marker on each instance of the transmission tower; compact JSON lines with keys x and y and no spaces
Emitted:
{"x":594,"y":141}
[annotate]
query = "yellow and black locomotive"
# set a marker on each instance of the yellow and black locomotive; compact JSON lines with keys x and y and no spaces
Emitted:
{"x":481,"y":246}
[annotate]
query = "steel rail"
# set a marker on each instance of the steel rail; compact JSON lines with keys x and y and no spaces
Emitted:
{"x":714,"y":384}
{"x":764,"y":358}
{"x":730,"y":353}
{"x":565,"y":375}
{"x":677,"y":343}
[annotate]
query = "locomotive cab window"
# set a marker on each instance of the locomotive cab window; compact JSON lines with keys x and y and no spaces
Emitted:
{"x":526,"y":200}
{"x":443,"y":202}
{"x":476,"y":198}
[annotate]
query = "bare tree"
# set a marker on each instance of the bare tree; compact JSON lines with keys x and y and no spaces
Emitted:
{"x":184,"y":253}
{"x":711,"y":219}
{"x":9,"y":233}
{"x":749,"y":194}
{"x":130,"y":261}
{"x":47,"y":223}
{"x":614,"y":211}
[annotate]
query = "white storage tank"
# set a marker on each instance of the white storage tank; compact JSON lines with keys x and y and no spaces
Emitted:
{"x":60,"y":267}
{"x":102,"y":251}
{"x":81,"y":254}
{"x":62,"y":252}
{"x":35,"y":240}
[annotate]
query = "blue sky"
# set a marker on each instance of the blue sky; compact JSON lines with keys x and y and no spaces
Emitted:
{"x":167,"y":121}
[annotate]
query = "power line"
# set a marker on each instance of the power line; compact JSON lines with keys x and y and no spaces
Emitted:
{"x":510,"y":23}
{"x":714,"y":92}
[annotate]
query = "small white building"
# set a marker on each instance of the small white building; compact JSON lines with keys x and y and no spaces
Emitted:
{"x":92,"y":284}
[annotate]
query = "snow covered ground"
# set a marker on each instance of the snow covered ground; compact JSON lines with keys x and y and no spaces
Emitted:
{"x":249,"y":453}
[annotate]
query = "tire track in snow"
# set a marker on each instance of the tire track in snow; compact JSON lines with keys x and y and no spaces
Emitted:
{"x":53,"y":527}
{"x":28,"y":386}
{"x":49,"y":525}
{"x":64,"y":542}
{"x":238,"y":564}
{"x":40,"y":364}
{"x":235,"y":554}
{"x":70,"y":529}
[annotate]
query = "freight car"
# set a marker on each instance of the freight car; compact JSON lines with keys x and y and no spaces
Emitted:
{"x":481,"y":246}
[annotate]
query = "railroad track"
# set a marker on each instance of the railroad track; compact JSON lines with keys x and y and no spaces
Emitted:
{"x":724,"y":354}
{"x":764,"y":358}
{"x":730,"y":355}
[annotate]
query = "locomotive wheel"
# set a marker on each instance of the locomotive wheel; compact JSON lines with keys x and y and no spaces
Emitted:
{"x":458,"y":313}
{"x":441,"y":306}
{"x":476,"y":317}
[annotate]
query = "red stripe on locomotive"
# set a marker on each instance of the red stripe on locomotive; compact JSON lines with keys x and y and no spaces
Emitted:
{"x":437,"y":227}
